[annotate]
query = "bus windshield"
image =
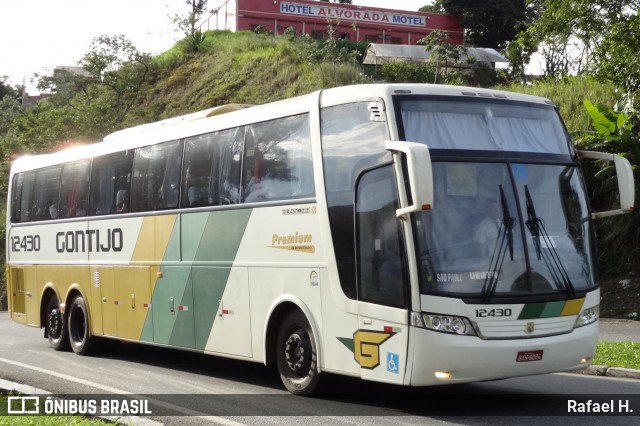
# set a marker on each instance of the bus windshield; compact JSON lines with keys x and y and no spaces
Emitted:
{"x":498,"y":228}
{"x":494,"y":219}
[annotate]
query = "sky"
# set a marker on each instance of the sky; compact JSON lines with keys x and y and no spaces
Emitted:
{"x":38,"y":35}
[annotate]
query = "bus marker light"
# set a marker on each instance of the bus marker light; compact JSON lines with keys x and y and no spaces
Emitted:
{"x":444,"y":375}
{"x":585,"y":360}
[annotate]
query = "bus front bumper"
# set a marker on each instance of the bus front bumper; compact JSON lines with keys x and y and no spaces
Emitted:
{"x":441,"y":358}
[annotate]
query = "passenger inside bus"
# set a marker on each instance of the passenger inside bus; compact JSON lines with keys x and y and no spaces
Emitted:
{"x":122,"y":197}
{"x":487,"y":230}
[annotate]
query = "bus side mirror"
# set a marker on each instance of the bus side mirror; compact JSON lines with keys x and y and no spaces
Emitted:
{"x":626,"y":186}
{"x":420,"y":174}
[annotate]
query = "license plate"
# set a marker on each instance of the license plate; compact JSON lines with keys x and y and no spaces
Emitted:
{"x":528,"y":356}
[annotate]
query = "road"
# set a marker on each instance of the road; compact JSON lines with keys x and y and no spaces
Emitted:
{"x":211,"y":390}
{"x":617,"y":330}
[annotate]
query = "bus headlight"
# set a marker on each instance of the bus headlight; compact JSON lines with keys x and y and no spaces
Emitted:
{"x":588,"y":316}
{"x":449,"y":324}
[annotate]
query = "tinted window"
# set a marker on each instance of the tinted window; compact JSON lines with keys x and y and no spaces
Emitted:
{"x":74,"y":190}
{"x":381,"y":271}
{"x":351,"y":142}
{"x":22,"y":196}
{"x":110,"y":183}
{"x":277,"y":162}
{"x":46,"y":193}
{"x":212,"y":168}
{"x":156,"y":177}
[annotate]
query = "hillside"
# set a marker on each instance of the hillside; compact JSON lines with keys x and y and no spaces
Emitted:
{"x":238,"y":67}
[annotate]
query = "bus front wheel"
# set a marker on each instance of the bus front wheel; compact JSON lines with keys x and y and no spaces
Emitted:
{"x":79,"y":332}
{"x":297,"y":355}
{"x":56,"y":326}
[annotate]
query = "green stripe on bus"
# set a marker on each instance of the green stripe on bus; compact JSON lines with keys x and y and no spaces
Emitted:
{"x":544,"y":310}
{"x":552,"y":309}
{"x":531,"y":311}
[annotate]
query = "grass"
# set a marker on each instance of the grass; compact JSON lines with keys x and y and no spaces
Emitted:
{"x":50,"y":420}
{"x":618,"y":354}
{"x":20,"y":420}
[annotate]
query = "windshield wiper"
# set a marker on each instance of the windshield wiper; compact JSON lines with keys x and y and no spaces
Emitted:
{"x":507,"y":221}
{"x":550,"y":256}
{"x":503,"y":242}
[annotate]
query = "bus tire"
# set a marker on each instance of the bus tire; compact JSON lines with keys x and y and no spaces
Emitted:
{"x":56,"y":326}
{"x":79,"y":331}
{"x":297,"y":355}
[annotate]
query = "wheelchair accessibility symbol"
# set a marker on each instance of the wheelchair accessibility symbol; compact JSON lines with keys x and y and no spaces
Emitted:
{"x":393,"y":363}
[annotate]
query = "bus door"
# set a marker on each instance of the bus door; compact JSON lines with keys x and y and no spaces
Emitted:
{"x":380,"y":344}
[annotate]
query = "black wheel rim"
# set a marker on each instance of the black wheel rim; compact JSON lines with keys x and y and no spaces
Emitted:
{"x":297,"y":352}
{"x":54,"y":323}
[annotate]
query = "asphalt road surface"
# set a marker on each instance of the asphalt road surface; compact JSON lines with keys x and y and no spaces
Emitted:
{"x":189,"y":388}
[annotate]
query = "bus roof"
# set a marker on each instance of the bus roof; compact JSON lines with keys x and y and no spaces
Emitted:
{"x":232,"y":115}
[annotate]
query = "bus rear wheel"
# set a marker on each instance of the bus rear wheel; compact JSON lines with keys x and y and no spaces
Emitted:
{"x":79,"y":332}
{"x":56,"y":326}
{"x":297,"y":355}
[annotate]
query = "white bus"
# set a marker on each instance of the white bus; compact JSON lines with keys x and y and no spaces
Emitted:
{"x":407,"y":234}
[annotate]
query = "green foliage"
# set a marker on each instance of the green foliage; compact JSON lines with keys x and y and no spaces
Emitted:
{"x":408,"y":72}
{"x":186,"y":22}
{"x":6,"y":90}
{"x":441,"y":52}
{"x":617,"y":55}
{"x":195,"y":42}
{"x":435,"y":7}
{"x":490,"y":23}
{"x":615,"y":132}
{"x":600,"y":37}
{"x":338,"y":53}
{"x":569,"y":94}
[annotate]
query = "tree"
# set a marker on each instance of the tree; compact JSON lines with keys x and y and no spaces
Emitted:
{"x":187,"y":23}
{"x":99,"y":100}
{"x":616,"y":57}
{"x":436,"y":7}
{"x":589,"y":36}
{"x":6,"y":89}
{"x":490,"y":23}
{"x":121,"y":69}
{"x":440,"y":50}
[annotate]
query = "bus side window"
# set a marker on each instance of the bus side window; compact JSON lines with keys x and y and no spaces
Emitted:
{"x":110,"y":174}
{"x":156,"y":177}
{"x":212,"y":168}
{"x":198,"y":153}
{"x":16,"y":193}
{"x":278,"y":162}
{"x":74,"y":190}
{"x":47,"y":192}
{"x":226,"y":167}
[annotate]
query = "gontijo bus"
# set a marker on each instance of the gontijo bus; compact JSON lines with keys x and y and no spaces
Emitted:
{"x":334,"y":232}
